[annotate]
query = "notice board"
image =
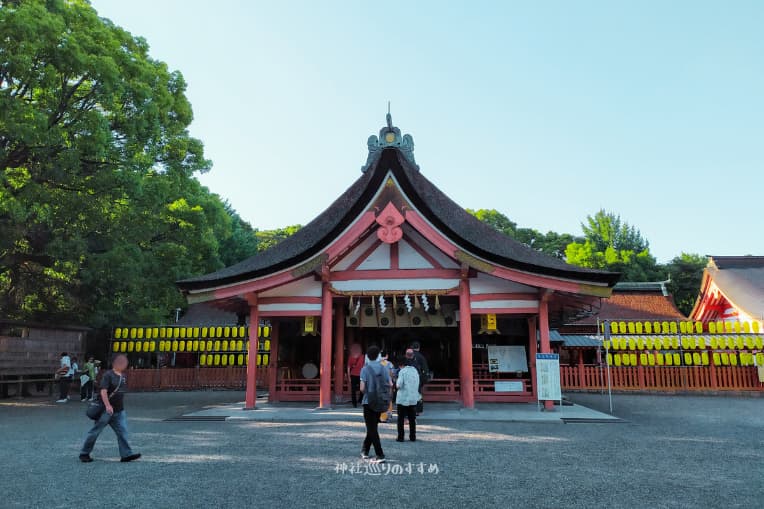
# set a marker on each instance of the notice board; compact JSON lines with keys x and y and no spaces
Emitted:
{"x":548,"y":376}
{"x":506,"y":359}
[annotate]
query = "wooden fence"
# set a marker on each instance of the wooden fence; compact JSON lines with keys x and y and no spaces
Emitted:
{"x":662,"y":378}
{"x":193,"y":378}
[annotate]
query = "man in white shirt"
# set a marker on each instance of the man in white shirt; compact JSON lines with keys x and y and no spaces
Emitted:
{"x":65,"y":373}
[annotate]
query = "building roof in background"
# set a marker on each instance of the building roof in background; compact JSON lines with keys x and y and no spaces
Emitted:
{"x":580,"y":341}
{"x":740,"y":279}
{"x":637,"y":301}
{"x":203,"y":315}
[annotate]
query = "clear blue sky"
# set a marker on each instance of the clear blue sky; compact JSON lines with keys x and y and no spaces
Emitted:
{"x":546,"y":111}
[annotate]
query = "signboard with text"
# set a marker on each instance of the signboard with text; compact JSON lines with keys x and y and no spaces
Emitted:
{"x":506,"y":359}
{"x":548,"y":376}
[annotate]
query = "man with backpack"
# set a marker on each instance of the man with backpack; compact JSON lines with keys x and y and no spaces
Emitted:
{"x":375,"y":386}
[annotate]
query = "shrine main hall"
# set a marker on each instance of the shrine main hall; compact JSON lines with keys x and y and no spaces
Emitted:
{"x":392,"y":261}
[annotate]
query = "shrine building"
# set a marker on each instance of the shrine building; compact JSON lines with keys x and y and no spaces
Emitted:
{"x":394,"y":260}
{"x":732,"y":291}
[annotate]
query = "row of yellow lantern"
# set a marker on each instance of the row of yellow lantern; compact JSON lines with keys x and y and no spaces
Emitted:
{"x":263,"y":331}
{"x":688,"y":327}
{"x":232,"y":359}
{"x":686,"y":342}
{"x":188,"y":346}
{"x":689,"y":358}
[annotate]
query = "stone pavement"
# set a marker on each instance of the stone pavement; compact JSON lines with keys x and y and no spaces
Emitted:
{"x":671,"y":452}
{"x":434,"y":412}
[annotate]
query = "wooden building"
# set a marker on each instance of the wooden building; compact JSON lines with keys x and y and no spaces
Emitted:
{"x":391,"y":261}
{"x":732,"y":291}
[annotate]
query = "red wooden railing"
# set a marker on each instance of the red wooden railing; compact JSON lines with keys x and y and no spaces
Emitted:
{"x":193,"y":378}
{"x":662,"y":378}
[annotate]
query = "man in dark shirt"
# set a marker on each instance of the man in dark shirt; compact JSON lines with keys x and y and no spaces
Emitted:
{"x":112,"y":394}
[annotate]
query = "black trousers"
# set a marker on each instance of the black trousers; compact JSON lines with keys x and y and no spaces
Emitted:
{"x":63,"y":386}
{"x":355,"y":389}
{"x":407,"y":412}
{"x":371,"y":419}
{"x":420,"y":404}
{"x":86,"y":391}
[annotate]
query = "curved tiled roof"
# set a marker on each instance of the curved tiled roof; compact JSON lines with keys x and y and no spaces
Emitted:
{"x":741,"y":280}
{"x":451,"y":219}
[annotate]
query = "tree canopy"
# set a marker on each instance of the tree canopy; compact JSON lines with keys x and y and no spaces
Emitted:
{"x":609,"y":243}
{"x":100,"y":211}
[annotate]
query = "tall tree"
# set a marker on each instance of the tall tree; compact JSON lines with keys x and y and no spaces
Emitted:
{"x":686,"y":272}
{"x":266,"y":239}
{"x":551,"y":243}
{"x":612,"y":244}
{"x":99,"y":208}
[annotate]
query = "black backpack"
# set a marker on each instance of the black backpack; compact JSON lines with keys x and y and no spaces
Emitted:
{"x":378,"y":393}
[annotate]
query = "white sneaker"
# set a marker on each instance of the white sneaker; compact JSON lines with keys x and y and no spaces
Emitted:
{"x":62,"y":401}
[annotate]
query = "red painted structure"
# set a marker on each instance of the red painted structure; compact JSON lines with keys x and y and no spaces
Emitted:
{"x":394,"y":238}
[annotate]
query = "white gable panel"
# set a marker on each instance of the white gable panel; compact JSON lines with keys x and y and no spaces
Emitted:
{"x":446,"y":261}
{"x":409,"y":258}
{"x":395,"y":284}
{"x":348,"y":259}
{"x":379,"y":259}
{"x":305,"y":287}
{"x":485,"y":283}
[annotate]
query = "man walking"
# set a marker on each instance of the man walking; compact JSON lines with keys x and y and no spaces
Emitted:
{"x":65,"y":373}
{"x":375,"y":386}
{"x":112,"y":394}
{"x":407,"y":397}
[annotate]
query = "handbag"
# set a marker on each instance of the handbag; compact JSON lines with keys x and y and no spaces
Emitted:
{"x":96,"y":408}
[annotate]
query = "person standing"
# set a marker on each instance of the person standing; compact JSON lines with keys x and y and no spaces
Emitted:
{"x":407,"y":397}
{"x":87,"y":379}
{"x":112,"y":393}
{"x":355,"y":364}
{"x":385,"y":416}
{"x":420,"y":363}
{"x":65,"y":373}
{"x":375,"y":386}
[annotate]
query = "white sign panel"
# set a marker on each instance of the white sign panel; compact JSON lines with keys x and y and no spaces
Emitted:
{"x":506,"y":359}
{"x":508,"y":386}
{"x":548,"y":376}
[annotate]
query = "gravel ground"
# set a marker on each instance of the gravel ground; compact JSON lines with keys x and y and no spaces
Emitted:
{"x":670,"y":452}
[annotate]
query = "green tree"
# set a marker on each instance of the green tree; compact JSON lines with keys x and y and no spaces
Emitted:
{"x":686,"y":272}
{"x":551,"y":243}
{"x":99,"y":208}
{"x":612,"y":244}
{"x":266,"y":239}
{"x":241,"y":244}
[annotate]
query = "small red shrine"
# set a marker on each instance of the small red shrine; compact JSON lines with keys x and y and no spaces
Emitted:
{"x":391,"y":261}
{"x":732,"y":291}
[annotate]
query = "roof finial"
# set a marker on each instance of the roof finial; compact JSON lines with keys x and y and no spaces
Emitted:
{"x":389,"y":137}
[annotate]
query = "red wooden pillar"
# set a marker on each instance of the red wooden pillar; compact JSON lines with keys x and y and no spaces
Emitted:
{"x":533,"y":349}
{"x":325,"y":373}
{"x":273,"y":365}
{"x":465,"y":345}
{"x":544,"y":335}
{"x":339,"y":352}
{"x":581,"y":374}
{"x":254,"y":323}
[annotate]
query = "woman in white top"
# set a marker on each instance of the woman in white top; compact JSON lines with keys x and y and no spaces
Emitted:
{"x":407,"y":397}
